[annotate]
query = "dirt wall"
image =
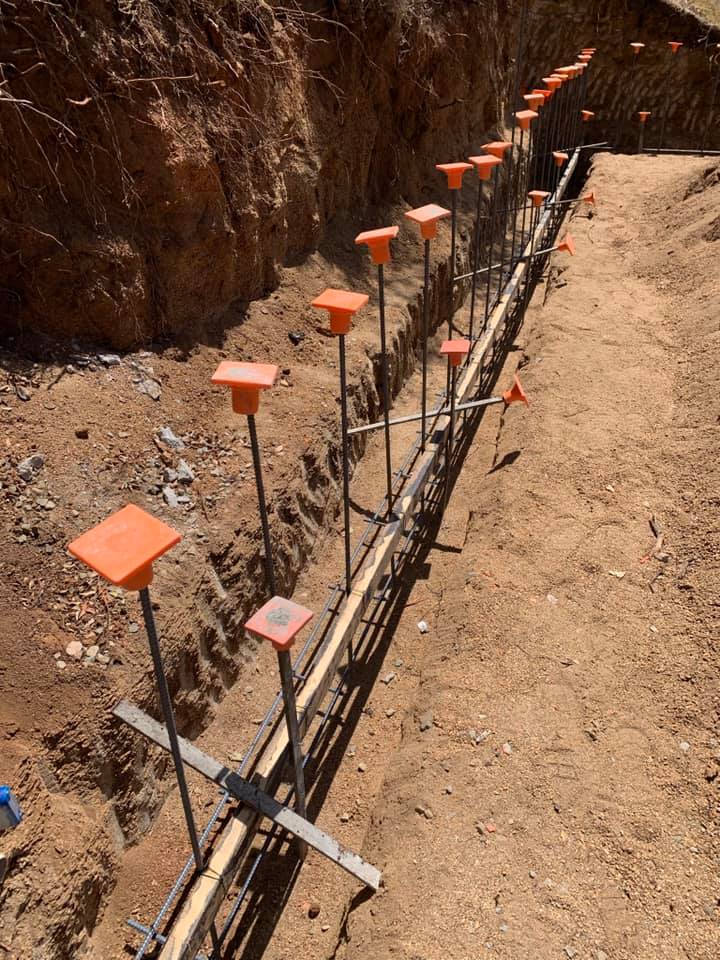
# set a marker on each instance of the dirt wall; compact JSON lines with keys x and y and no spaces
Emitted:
{"x":617,"y":87}
{"x":163,"y":161}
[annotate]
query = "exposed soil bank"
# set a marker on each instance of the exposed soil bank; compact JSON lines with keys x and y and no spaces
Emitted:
{"x":161,"y":166}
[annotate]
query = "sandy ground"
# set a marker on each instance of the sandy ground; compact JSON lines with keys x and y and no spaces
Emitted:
{"x":563,"y":800}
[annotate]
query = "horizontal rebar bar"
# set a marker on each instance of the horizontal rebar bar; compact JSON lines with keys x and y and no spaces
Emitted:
{"x":439,"y":412}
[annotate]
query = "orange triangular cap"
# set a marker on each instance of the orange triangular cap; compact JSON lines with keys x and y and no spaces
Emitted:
{"x":675,"y":45}
{"x":516,"y":394}
{"x":587,"y":115}
{"x":567,"y":244}
{"x":497,"y":148}
{"x":454,"y":173}
{"x":590,"y":198}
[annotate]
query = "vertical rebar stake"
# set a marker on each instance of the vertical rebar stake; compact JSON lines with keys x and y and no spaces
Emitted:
{"x":450,"y":436}
{"x":386,"y":390}
{"x":493,"y":217}
{"x":286,"y":680}
{"x":345,"y":463}
{"x":257,"y":466}
{"x":476,"y":259}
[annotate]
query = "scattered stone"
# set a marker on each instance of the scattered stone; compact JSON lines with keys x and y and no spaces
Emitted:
{"x":21,"y":393}
{"x":551,"y":598}
{"x":618,"y":574}
{"x":507,"y":749}
{"x":399,"y":663}
{"x":389,"y":713}
{"x":313,"y":909}
{"x":388,"y":678}
{"x":184,"y":472}
{"x":345,"y":817}
{"x":362,"y":767}
{"x":684,"y":746}
{"x":504,"y":928}
{"x":60,"y":664}
{"x":103,"y":658}
{"x":448,"y":790}
{"x":325,"y":927}
{"x":170,"y":497}
{"x":133,"y":627}
{"x":92,"y":652}
{"x":74,"y":650}
{"x":423,"y":627}
{"x":351,"y":751}
{"x":166,"y":436}
{"x":4,"y":866}
{"x":424,"y":811}
{"x":109,"y":359}
{"x":570,"y":953}
{"x":601,"y":955}
{"x":82,"y":433}
{"x":45,"y":503}
{"x":149,"y":387}
{"x":170,"y":475}
{"x":30,"y":466}
{"x":426,"y":721}
{"x":490,"y":827}
{"x":296,"y":337}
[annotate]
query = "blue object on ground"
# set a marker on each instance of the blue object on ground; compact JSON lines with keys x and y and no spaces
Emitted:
{"x":10,"y":814}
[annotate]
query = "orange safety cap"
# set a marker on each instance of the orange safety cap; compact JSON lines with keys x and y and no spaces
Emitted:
{"x":428,"y":217}
{"x":534,"y":100}
{"x":455,"y":350}
{"x":341,"y":305}
{"x":525,"y":118}
{"x":378,"y":241}
{"x":454,"y":173}
{"x":553,"y":82}
{"x":590,"y":198}
{"x":644,"y":116}
{"x":591,"y":50}
{"x":637,"y":47}
{"x":587,"y":115}
{"x":484,"y":165}
{"x":122,"y":548}
{"x":245,"y":380}
{"x":567,"y":244}
{"x":675,"y":45}
{"x":560,"y":158}
{"x":279,"y":621}
{"x":545,"y":94}
{"x":585,"y":58}
{"x":498,"y":148}
{"x":538,"y":197}
{"x":516,"y":394}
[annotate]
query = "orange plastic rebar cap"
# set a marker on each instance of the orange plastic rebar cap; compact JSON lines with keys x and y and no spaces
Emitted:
{"x":427,"y":217}
{"x":123,"y":547}
{"x":567,"y":244}
{"x":484,"y":165}
{"x":637,"y":47}
{"x":245,"y":380}
{"x":534,"y":100}
{"x":675,"y":45}
{"x":279,"y":621}
{"x":560,"y":157}
{"x":587,"y":115}
{"x":378,"y":242}
{"x":341,"y":305}
{"x":454,"y":172}
{"x":585,"y":58}
{"x":644,"y":116}
{"x":516,"y":394}
{"x":538,"y":197}
{"x":553,"y":81}
{"x":498,"y":148}
{"x":545,"y":94}
{"x":455,"y":350}
{"x":590,"y":198}
{"x":525,"y":118}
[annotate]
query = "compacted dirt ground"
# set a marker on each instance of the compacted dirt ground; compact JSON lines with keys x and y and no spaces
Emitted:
{"x":539,"y":775}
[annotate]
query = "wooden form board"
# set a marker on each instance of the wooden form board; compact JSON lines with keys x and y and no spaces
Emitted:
{"x":193,"y":922}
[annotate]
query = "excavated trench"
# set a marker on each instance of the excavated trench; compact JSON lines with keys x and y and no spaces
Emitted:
{"x":92,"y":771}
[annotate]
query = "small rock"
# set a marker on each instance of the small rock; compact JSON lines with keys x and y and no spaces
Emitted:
{"x":313,"y":909}
{"x":4,"y":866}
{"x":92,"y":652}
{"x":362,"y":767}
{"x":507,"y":749}
{"x":504,"y":928}
{"x":103,"y":658}
{"x":684,"y":746}
{"x":532,"y":874}
{"x":448,"y":790}
{"x":551,"y":598}
{"x":46,"y":503}
{"x":30,"y":466}
{"x":423,"y":627}
{"x":389,"y":713}
{"x":109,"y":359}
{"x":82,"y":433}
{"x":399,"y":663}
{"x":74,"y":650}
{"x":166,"y":436}
{"x":184,"y":472}
{"x":169,"y":475}
{"x":490,"y":827}
{"x":601,"y":955}
{"x":21,"y":393}
{"x":345,"y":817}
{"x":388,"y":678}
{"x":60,"y":664}
{"x":149,"y":387}
{"x":325,"y":927}
{"x":170,"y":497}
{"x":296,"y":337}
{"x":570,"y":953}
{"x":424,"y":811}
{"x":426,"y":721}
{"x":133,"y":627}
